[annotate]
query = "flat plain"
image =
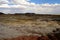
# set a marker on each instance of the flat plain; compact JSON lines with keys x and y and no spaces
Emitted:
{"x":15,"y":25}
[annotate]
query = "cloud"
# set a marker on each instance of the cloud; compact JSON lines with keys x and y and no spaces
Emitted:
{"x":4,"y":2}
{"x":20,"y":1}
{"x":23,"y":6}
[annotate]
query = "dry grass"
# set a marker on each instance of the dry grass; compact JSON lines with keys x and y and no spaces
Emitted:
{"x":18,"y":25}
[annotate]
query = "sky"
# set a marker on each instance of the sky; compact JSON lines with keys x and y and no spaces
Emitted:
{"x":46,"y":1}
{"x":31,"y":6}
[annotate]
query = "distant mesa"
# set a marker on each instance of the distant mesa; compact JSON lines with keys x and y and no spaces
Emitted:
{"x":1,"y":13}
{"x":18,"y":13}
{"x":25,"y":14}
{"x":30,"y":14}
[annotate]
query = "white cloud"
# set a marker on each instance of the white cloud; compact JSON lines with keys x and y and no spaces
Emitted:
{"x":21,"y":1}
{"x":4,"y":2}
{"x":25,"y":6}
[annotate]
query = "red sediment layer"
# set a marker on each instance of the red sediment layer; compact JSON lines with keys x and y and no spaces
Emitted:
{"x":29,"y":38}
{"x":48,"y":37}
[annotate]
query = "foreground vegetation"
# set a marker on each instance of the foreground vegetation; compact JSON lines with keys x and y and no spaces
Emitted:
{"x":14,"y":26}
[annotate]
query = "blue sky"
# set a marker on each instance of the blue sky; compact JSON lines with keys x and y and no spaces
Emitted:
{"x":46,"y":1}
